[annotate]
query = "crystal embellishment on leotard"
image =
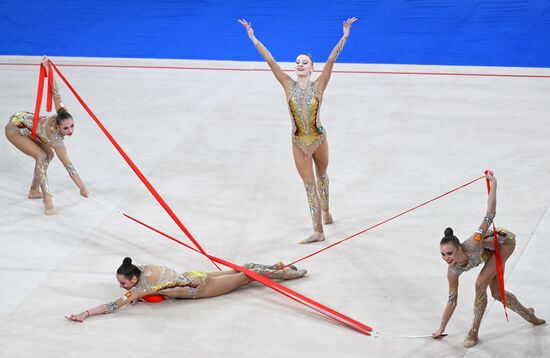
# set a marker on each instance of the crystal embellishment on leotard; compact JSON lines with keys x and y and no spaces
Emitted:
{"x":168,"y":278}
{"x":488,"y":219}
{"x":304,"y":106}
{"x":110,"y":307}
{"x":477,"y":254}
{"x":46,"y":131}
{"x":322,"y":189}
{"x":70,"y":169}
{"x":314,"y":207}
{"x":42,"y":166}
{"x":55,"y":90}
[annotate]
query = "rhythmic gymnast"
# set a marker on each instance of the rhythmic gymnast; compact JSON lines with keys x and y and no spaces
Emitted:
{"x":144,"y":280}
{"x":50,"y":133}
{"x":462,"y":257}
{"x":304,"y":99}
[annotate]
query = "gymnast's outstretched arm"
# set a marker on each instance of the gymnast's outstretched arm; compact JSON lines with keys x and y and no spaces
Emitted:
{"x":61,"y":153}
{"x":58,"y":103}
{"x":129,"y":297}
{"x":451,"y":304}
{"x":327,"y":70}
{"x":275,"y":68}
{"x":491,"y":211}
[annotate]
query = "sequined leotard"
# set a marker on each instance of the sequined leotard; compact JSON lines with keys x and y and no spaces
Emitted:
{"x":45,"y":132}
{"x":304,"y":106}
{"x":475,"y":254}
{"x":158,"y":278}
{"x":164,"y":281}
{"x":308,"y":134}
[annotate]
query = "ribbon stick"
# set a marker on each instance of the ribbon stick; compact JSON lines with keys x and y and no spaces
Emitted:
{"x":38,"y":104}
{"x":134,"y":167}
{"x":498,"y":259}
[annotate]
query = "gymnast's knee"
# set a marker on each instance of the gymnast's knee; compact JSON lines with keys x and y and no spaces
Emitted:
{"x":481,"y":286}
{"x":41,"y":158}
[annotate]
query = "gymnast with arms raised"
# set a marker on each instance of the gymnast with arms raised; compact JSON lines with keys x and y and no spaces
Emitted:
{"x":304,"y":98}
{"x":462,"y":257}
{"x":143,"y":280}
{"x":50,"y":132}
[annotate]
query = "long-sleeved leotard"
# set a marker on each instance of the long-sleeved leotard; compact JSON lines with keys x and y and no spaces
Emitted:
{"x":46,"y":131}
{"x":47,"y":134}
{"x":476,"y":254}
{"x":157,"y":279}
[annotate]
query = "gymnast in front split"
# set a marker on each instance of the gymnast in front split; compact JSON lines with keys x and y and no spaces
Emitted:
{"x":50,"y":134}
{"x":144,"y":280}
{"x":309,"y":142}
{"x":462,"y":257}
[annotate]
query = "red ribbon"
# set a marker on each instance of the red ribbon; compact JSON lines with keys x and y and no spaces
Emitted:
{"x":314,"y":305}
{"x":328,"y":312}
{"x":39,"y":93}
{"x":50,"y":88}
{"x":498,"y":259}
{"x":136,"y":170}
{"x":383,"y":222}
{"x":324,"y":310}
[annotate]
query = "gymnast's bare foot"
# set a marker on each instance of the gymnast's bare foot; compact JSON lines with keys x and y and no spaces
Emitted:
{"x":534,"y":319}
{"x":289,"y":274}
{"x":317,"y":236}
{"x":48,"y":205}
{"x":471,"y":339}
{"x":327,"y":218}
{"x":35,"y":194}
{"x":279,"y":265}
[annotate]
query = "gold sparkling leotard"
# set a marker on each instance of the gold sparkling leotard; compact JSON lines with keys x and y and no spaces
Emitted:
{"x":164,"y":280}
{"x":304,"y":106}
{"x":476,"y":255}
{"x":158,"y":278}
{"x":48,"y":134}
{"x":45,"y":131}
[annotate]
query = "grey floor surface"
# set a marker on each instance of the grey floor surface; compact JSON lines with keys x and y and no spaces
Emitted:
{"x":216,"y":144}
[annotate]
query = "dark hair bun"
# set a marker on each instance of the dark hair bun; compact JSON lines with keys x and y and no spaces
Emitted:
{"x":127,"y":262}
{"x":61,"y":111}
{"x":448,"y":232}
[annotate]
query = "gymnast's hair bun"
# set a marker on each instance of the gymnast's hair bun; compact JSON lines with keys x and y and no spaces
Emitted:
{"x":62,"y":110}
{"x":127,"y":262}
{"x":448,"y":232}
{"x":128,"y":269}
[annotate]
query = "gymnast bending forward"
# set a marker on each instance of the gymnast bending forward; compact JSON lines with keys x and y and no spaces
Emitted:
{"x":143,"y":280}
{"x":50,"y":134}
{"x":462,"y":257}
{"x":304,"y":98}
